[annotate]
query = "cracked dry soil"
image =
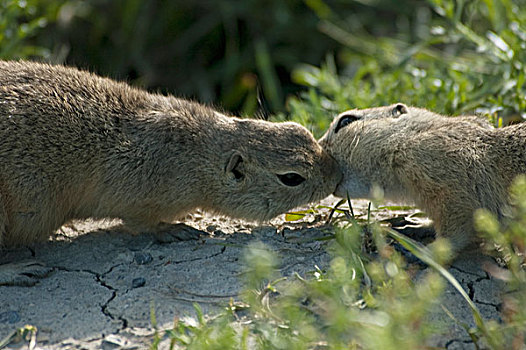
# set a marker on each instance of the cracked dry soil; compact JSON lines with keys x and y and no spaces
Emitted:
{"x":104,"y":283}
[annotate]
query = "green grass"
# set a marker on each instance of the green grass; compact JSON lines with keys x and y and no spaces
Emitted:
{"x":331,"y":308}
{"x":362,"y":301}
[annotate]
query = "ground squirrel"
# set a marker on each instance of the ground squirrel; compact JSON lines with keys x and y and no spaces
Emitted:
{"x":74,"y":145}
{"x":450,"y":166}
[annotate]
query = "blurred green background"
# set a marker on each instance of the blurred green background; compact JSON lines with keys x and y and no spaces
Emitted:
{"x":289,"y":59}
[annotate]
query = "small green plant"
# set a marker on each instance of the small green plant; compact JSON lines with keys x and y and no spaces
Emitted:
{"x":26,"y":334}
{"x":510,"y":238}
{"x":361,"y":301}
{"x":354,"y":304}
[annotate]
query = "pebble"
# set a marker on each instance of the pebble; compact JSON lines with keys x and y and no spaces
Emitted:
{"x":142,"y":258}
{"x":138,"y":282}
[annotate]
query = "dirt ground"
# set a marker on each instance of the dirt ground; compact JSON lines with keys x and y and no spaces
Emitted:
{"x":104,"y":284}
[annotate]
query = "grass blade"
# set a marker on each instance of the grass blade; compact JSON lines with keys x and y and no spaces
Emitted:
{"x":425,"y":255}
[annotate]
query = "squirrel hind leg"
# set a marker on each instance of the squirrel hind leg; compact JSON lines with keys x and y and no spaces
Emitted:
{"x":460,"y":233}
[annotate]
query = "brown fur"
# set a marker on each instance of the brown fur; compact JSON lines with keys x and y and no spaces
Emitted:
{"x":74,"y":145}
{"x":450,"y":166}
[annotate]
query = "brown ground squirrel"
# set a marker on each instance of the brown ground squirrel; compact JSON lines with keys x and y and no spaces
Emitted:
{"x":450,"y":166}
{"x":74,"y":145}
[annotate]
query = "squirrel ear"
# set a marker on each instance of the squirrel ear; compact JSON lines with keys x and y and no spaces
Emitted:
{"x":399,"y":109}
{"x":235,"y":166}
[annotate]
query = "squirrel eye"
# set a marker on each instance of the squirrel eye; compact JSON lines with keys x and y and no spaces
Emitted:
{"x":345,"y":120}
{"x":291,"y":179}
